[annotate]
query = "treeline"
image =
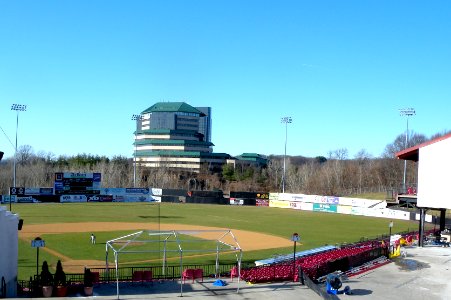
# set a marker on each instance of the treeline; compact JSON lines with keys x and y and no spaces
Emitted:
{"x":336,"y":174}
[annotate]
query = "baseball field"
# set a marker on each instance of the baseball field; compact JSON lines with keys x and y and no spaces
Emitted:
{"x":262,"y":232}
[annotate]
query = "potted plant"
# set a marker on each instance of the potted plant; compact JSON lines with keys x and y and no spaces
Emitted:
{"x":88,"y":282}
{"x":46,"y":280}
{"x":60,"y":281}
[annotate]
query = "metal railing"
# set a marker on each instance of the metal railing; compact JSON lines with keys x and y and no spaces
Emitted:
{"x":31,"y":288}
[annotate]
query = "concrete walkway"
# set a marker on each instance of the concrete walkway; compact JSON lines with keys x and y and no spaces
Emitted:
{"x":425,"y":273}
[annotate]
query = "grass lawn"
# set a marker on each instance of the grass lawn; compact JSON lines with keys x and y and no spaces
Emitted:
{"x":316,"y":229}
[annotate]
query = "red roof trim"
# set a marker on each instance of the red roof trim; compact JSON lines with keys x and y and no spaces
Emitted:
{"x":412,"y":152}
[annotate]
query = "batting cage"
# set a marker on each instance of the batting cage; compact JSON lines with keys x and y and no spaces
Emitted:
{"x":175,"y":243}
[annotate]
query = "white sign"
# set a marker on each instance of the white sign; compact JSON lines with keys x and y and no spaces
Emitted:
{"x":295,"y":237}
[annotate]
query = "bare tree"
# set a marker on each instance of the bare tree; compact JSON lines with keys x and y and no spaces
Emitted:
{"x":275,"y":169}
{"x":399,"y":144}
{"x":24,"y":154}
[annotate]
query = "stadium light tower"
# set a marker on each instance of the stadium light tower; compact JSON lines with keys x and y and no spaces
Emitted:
{"x":408,"y":112}
{"x":136,"y":118}
{"x":17,"y":108}
{"x":285,"y":120}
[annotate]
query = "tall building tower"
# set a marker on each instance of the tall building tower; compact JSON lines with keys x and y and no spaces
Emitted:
{"x":205,"y":123}
{"x":177,"y":136}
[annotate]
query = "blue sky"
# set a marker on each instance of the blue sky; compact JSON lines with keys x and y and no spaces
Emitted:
{"x":340,"y":69}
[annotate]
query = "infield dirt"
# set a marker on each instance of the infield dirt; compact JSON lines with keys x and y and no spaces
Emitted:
{"x":247,"y":240}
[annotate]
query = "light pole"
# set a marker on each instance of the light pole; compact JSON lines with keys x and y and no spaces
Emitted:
{"x":285,"y":120}
{"x":294,"y":238}
{"x":408,"y":112}
{"x":17,"y":108}
{"x":136,"y":118}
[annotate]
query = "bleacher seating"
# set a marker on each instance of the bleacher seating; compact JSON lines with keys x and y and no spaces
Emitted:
{"x":315,"y":265}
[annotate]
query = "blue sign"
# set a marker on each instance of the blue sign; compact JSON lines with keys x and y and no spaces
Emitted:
{"x":325,"y":207}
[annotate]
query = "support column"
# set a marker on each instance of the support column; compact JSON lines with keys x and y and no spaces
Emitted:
{"x":421,"y":229}
{"x":442,"y":219}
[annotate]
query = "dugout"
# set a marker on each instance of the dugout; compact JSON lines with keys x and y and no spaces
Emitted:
{"x":178,"y":242}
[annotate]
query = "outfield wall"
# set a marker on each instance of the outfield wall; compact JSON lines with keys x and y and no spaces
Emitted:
{"x":318,"y":203}
{"x":341,"y":205}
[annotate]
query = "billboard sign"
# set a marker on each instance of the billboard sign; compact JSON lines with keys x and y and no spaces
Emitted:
{"x":325,"y":207}
{"x":17,"y":191}
{"x":73,"y":198}
{"x":77,"y":183}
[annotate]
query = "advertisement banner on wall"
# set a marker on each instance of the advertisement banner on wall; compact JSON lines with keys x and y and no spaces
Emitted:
{"x":73,"y":198}
{"x":26,"y":199}
{"x":320,"y":199}
{"x":278,"y":203}
{"x":133,"y":198}
{"x":325,"y":207}
{"x":100,"y":198}
{"x":298,"y":197}
{"x":8,"y":199}
{"x":139,"y":191}
{"x":262,"y":196}
{"x":235,"y":201}
{"x":262,"y":202}
{"x":346,"y":201}
{"x":38,"y":191}
{"x":344,"y":209}
{"x":395,"y":214}
{"x":273,"y":196}
{"x":326,"y":199}
{"x":112,"y":191}
{"x":295,"y":205}
{"x":306,"y":206}
{"x":309,"y":198}
{"x":332,"y":199}
{"x":156,"y":192}
{"x":285,"y":196}
{"x":301,"y":205}
{"x":124,"y":191}
{"x":356,"y":210}
{"x":358,"y":202}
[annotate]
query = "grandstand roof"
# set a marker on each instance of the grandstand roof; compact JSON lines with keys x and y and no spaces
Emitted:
{"x":412,"y":152}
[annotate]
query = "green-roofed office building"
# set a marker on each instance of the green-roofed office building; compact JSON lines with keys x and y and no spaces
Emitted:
{"x":177,"y":136}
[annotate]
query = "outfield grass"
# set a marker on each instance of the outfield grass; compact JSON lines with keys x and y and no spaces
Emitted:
{"x":316,"y":229}
{"x":372,"y":196}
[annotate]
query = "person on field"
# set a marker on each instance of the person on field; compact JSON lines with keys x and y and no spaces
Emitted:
{"x":93,"y":238}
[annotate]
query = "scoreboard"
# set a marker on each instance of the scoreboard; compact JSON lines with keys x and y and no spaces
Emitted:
{"x":68,"y":183}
